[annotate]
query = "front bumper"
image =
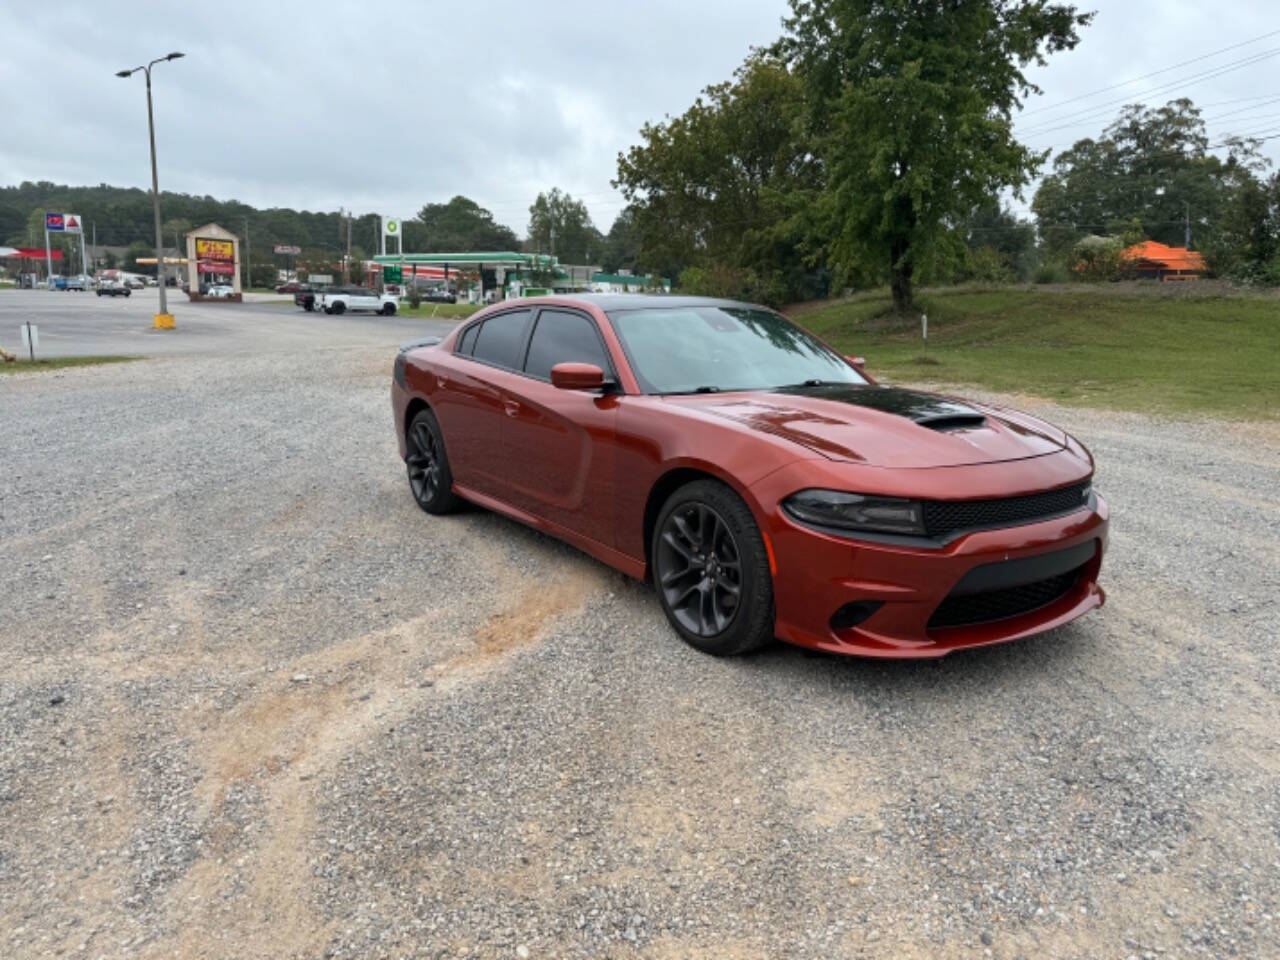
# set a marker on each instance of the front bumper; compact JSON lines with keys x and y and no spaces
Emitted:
{"x":818,"y":574}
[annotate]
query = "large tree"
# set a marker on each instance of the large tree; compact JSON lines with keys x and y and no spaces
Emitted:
{"x":1153,"y":165}
{"x":728,"y":187}
{"x":461,"y":225}
{"x":911,"y":103}
{"x":561,"y":225}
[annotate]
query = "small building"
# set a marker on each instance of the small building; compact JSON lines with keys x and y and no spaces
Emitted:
{"x":1150,"y":260}
{"x":628,"y":283}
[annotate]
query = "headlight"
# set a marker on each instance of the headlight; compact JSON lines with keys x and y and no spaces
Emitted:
{"x":853,"y":511}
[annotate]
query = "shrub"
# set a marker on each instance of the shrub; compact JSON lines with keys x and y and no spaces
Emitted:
{"x":415,"y":297}
{"x":1051,"y":271}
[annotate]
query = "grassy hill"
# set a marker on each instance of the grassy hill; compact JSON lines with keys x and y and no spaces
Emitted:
{"x":1153,"y":349}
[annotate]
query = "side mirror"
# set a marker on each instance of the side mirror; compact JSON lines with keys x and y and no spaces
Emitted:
{"x":577,"y":376}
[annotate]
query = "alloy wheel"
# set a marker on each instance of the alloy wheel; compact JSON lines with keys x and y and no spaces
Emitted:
{"x":423,"y":462}
{"x":699,"y":569}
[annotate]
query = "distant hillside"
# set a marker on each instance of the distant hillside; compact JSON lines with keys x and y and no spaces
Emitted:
{"x":123,"y":215}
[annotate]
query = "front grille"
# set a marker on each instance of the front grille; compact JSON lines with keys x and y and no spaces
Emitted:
{"x":973,"y":608}
{"x":943,"y":517}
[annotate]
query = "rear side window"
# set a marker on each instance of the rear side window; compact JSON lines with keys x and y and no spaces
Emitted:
{"x":563,"y":338}
{"x":468,"y":340}
{"x":501,"y":339}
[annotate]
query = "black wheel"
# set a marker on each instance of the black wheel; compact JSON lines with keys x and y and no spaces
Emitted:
{"x":430,"y":479}
{"x":328,"y":309}
{"x":388,"y":309}
{"x":308,"y":306}
{"x":339,"y":308}
{"x":711,"y":570}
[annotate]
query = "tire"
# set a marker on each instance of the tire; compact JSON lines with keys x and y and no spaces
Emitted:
{"x":388,"y":309}
{"x":427,"y":463}
{"x":696,"y":587}
{"x":328,"y":309}
{"x":309,"y":307}
{"x":339,"y":308}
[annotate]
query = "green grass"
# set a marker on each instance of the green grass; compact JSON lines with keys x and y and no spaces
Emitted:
{"x":1214,"y":355}
{"x":445,"y":310}
{"x":23,"y":365}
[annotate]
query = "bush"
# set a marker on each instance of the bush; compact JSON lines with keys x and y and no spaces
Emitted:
{"x":415,"y":297}
{"x":1051,"y":271}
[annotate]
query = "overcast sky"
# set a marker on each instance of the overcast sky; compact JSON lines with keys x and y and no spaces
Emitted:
{"x":387,"y":106}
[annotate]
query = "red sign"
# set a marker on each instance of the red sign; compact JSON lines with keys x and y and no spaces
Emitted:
{"x":215,"y":266}
{"x":73,"y":223}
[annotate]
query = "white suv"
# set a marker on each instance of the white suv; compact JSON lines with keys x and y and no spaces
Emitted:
{"x":341,"y":299}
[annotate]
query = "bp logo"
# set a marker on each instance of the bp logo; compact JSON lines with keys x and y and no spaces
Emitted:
{"x":393,"y":226}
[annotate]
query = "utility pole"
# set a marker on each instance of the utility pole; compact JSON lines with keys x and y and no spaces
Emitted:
{"x":1186,"y":237}
{"x":247,"y":280}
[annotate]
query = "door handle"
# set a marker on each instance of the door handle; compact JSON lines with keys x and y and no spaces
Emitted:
{"x":511,"y":407}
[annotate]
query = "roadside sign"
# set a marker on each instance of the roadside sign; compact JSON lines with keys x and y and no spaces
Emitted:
{"x":320,"y":278}
{"x":391,"y":226}
{"x":30,"y":338}
{"x":54,"y":221}
{"x":71,"y":223}
{"x":392,"y":274}
{"x":287,"y":248}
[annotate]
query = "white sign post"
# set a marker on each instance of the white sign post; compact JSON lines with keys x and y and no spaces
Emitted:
{"x":30,"y":338}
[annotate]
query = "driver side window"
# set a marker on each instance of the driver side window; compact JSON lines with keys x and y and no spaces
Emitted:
{"x":563,"y":337}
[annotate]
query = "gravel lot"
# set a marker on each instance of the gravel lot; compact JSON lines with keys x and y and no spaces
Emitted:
{"x":255,"y":704}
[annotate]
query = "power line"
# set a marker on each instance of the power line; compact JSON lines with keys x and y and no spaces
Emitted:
{"x":1147,"y":76}
{"x":1098,"y":110}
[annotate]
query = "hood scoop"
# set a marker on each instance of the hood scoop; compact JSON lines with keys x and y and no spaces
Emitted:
{"x":927,"y":410}
{"x":952,"y":421}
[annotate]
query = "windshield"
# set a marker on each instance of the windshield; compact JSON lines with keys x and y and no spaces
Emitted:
{"x":710,"y":349}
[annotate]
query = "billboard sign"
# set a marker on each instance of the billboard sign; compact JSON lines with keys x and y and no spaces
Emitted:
{"x":62,"y":223}
{"x":207,"y":249}
{"x":391,"y":226}
{"x":287,"y":248}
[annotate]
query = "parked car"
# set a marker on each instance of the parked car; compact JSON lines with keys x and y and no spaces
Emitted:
{"x":289,"y":286}
{"x":77,"y":283}
{"x":112,"y":288}
{"x":220,"y":291}
{"x":151,"y":282}
{"x":306,"y":296}
{"x":57,"y":283}
{"x":342,"y":299}
{"x":764,"y":484}
{"x":133,"y":283}
{"x":440,"y":296}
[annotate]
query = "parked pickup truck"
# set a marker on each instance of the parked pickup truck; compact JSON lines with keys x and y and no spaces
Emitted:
{"x":341,"y":299}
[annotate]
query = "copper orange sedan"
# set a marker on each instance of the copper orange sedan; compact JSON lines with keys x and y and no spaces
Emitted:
{"x":764,"y":484}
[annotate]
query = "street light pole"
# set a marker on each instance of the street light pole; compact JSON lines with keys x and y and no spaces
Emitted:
{"x":163,"y":320}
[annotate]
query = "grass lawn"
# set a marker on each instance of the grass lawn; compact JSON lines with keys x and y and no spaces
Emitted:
{"x":1215,"y":355}
{"x":446,"y":310}
{"x":23,"y":365}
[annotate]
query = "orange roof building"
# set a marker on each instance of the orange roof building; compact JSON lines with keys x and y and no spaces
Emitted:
{"x":1158,"y":261}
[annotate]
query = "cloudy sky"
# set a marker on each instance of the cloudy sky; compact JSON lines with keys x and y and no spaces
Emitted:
{"x":387,"y":106}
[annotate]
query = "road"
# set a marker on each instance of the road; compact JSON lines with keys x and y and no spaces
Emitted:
{"x":78,"y":324}
{"x":255,"y":703}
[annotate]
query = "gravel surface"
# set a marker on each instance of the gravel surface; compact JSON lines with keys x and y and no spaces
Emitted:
{"x":255,"y":703}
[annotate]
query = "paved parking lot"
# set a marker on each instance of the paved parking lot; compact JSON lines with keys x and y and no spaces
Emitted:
{"x":255,"y":703}
{"x":74,"y":324}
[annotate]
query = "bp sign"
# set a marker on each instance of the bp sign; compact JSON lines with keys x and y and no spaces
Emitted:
{"x":392,"y":274}
{"x":391,"y":226}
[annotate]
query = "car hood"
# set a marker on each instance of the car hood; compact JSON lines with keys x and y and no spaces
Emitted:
{"x":885,"y":426}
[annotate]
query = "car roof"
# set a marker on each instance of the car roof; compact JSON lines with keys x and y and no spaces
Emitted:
{"x":611,"y":302}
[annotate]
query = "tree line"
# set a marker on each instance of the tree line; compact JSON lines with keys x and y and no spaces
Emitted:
{"x":871,"y":143}
{"x":123,"y":217}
